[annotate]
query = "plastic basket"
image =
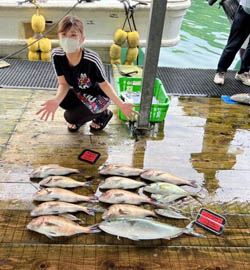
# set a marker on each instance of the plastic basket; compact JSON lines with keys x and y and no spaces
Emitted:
{"x":158,"y":111}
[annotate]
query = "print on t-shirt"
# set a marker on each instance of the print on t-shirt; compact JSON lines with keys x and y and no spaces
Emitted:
{"x":84,"y":82}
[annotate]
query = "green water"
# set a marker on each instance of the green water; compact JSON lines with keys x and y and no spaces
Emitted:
{"x":204,"y":33}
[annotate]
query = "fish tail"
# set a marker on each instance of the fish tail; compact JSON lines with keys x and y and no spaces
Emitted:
{"x":189,"y":230}
{"x":98,"y":193}
{"x":90,"y":211}
{"x":93,"y":229}
{"x":87,"y":184}
{"x":93,"y":199}
{"x":192,"y":183}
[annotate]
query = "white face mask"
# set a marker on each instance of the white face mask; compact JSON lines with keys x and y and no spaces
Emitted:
{"x":69,"y":45}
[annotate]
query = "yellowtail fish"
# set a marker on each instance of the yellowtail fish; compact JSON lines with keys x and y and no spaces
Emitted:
{"x":62,"y":182}
{"x":60,"y":194}
{"x":120,"y":170}
{"x":163,"y":176}
{"x":114,"y":196}
{"x":117,"y":210}
{"x":54,"y":226}
{"x":120,"y":182}
{"x":51,"y":169}
{"x":55,"y":208}
{"x":144,"y":229}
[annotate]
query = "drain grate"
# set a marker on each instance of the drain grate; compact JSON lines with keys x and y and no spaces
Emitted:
{"x":34,"y":75}
{"x":198,"y":82}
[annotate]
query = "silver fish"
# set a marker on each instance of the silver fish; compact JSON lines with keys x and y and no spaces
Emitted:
{"x":55,"y":208}
{"x":52,"y":169}
{"x":120,"y":170}
{"x":143,"y":229}
{"x":117,"y":210}
{"x":114,"y":196}
{"x":61,"y":181}
{"x":164,"y":188}
{"x":54,"y":226}
{"x":165,"y":199}
{"x":163,"y":176}
{"x":170,"y":213}
{"x":242,"y":98}
{"x":120,"y":182}
{"x":60,"y":194}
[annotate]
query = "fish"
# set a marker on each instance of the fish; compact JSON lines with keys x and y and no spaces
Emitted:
{"x":164,"y":188}
{"x":120,"y":182}
{"x":170,"y":213}
{"x":119,"y":170}
{"x":117,"y":210}
{"x":163,"y":176}
{"x":242,"y":98}
{"x":144,"y":229}
{"x":165,"y":199}
{"x":55,"y":208}
{"x":51,"y":169}
{"x":114,"y":196}
{"x":55,"y":226}
{"x":60,"y":194}
{"x":62,"y":182}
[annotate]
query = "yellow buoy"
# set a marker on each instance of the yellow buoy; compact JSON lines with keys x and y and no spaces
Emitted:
{"x":45,"y":56}
{"x":131,"y":55}
{"x":38,"y":23}
{"x":133,"y":39}
{"x":34,"y":56}
{"x":34,"y":47}
{"x":120,"y":36}
{"x":45,"y":45}
{"x":115,"y":51}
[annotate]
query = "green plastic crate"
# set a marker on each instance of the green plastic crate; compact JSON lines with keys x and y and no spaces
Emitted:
{"x":159,"y":110}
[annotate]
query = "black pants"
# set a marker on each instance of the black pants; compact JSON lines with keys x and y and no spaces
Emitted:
{"x":239,"y":32}
{"x":75,"y":111}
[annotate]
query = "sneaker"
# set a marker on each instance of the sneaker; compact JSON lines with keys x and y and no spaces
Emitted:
{"x":243,"y":77}
{"x":219,"y":78}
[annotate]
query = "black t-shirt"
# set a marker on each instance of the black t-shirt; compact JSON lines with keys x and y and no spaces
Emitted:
{"x":85,"y":76}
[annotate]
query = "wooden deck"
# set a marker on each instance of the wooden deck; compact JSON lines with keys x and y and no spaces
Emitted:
{"x":202,"y":139}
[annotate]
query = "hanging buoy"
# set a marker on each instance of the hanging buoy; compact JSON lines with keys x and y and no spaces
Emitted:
{"x":133,"y":39}
{"x":120,"y":36}
{"x":38,"y":23}
{"x":131,"y":55}
{"x":34,"y":56}
{"x":33,"y":47}
{"x":115,"y":51}
{"x":45,"y":56}
{"x":45,"y":45}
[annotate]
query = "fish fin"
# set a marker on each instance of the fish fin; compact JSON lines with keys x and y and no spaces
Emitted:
{"x":193,"y":184}
{"x":98,"y":193}
{"x":189,"y":230}
{"x":94,"y":228}
{"x":140,"y":192}
{"x":69,"y":216}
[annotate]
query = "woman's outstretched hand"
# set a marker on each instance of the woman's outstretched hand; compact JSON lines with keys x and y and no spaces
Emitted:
{"x":49,"y":108}
{"x":127,"y":110}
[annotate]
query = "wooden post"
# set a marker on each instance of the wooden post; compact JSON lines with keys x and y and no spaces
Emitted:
{"x":157,"y":17}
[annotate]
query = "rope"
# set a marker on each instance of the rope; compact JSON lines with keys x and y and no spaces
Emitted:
{"x":43,"y":35}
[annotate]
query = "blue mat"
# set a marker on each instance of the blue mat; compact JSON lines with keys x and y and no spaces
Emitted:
{"x":228,"y":100}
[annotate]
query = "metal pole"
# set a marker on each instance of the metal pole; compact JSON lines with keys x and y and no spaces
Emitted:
{"x":157,"y":17}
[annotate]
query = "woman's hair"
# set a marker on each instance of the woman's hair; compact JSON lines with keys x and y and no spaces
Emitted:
{"x":70,"y":21}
